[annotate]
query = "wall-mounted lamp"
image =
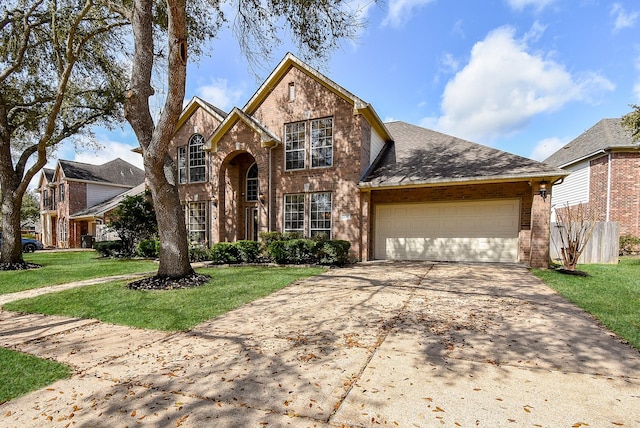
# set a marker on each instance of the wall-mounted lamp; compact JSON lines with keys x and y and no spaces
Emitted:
{"x":214,"y":200}
{"x":543,"y":190}
{"x":261,"y":197}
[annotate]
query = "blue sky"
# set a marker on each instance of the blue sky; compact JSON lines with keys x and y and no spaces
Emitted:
{"x":524,"y":76}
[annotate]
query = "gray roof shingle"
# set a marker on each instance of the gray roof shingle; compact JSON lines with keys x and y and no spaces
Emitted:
{"x":607,"y":134}
{"x":117,"y":172}
{"x":421,"y":156}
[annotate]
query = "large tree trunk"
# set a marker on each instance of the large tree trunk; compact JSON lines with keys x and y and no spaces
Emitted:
{"x":154,"y":139}
{"x":11,"y":250}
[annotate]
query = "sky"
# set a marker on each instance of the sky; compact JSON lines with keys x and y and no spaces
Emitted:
{"x":523,"y":76}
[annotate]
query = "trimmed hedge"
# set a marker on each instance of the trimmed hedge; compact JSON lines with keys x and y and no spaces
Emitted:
{"x":224,"y":252}
{"x":283,"y":248}
{"x":109,"y":248}
{"x":149,"y":248}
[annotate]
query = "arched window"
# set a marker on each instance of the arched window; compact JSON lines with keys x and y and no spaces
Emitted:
{"x":252,"y":183}
{"x":197,"y":165}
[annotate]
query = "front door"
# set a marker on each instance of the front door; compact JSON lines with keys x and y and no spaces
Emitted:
{"x":252,"y":224}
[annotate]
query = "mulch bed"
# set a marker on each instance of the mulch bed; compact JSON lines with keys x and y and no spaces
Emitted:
{"x":572,"y":272}
{"x":169,"y":283}
{"x":19,"y":266}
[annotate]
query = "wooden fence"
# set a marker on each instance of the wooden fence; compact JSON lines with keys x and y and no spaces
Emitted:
{"x":603,"y":247}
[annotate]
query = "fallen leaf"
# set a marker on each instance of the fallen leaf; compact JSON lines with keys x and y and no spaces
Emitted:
{"x":133,"y":414}
{"x":438,"y":409}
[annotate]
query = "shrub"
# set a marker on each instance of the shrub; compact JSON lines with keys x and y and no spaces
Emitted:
{"x":149,"y":248}
{"x":248,"y":251}
{"x":199,"y":253}
{"x":629,"y":245}
{"x":269,"y":237}
{"x":334,"y":253}
{"x":224,"y":252}
{"x":293,"y":251}
{"x":109,"y":248}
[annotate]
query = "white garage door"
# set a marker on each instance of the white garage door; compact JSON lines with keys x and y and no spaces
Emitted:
{"x":484,"y":231}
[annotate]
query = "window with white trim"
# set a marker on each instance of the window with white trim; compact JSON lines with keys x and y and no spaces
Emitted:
{"x":252,"y":183}
{"x":315,"y":151}
{"x":320,"y":214}
{"x":197,"y":168}
{"x":322,"y":142}
{"x":182,"y":165}
{"x":294,"y":145}
{"x":197,"y":221}
{"x":294,"y":213}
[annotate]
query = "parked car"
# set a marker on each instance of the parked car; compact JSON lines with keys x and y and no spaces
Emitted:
{"x":28,"y":245}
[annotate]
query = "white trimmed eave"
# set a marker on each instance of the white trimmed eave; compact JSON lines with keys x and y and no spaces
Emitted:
{"x":368,"y":187}
{"x":267,"y":139}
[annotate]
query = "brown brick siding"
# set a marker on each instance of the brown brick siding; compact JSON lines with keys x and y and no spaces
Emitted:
{"x":624,"y":187}
{"x":625,"y":192}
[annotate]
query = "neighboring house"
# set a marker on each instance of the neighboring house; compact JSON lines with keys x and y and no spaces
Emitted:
{"x":604,"y":163}
{"x":306,"y":155}
{"x":73,"y":195}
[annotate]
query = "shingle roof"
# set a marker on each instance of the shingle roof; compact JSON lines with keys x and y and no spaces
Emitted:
{"x":607,"y":134}
{"x":117,"y":172}
{"x":48,"y":173}
{"x":420,"y":156}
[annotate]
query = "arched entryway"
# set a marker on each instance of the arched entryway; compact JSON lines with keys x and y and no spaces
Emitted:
{"x":239,"y":204}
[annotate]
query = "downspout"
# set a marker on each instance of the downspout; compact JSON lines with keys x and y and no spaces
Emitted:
{"x":608,"y":186}
{"x":269,"y":192}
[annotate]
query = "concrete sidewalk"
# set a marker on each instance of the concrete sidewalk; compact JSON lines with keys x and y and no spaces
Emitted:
{"x":395,"y":344}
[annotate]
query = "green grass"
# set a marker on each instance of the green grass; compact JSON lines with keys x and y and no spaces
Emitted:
{"x":22,"y":373}
{"x":611,"y":293}
{"x":173,"y":310}
{"x":59,"y":267}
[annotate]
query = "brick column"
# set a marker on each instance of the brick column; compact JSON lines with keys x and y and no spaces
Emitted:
{"x":365,"y":206}
{"x":540,"y":228}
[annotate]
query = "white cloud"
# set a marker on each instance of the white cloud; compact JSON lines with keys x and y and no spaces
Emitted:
{"x":503,"y":86}
{"x":220,"y":94}
{"x":538,"y":5}
{"x":109,"y":151}
{"x":547,"y":147}
{"x":400,"y":11}
{"x":622,"y":18}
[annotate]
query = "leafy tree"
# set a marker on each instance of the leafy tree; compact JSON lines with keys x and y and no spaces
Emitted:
{"x":316,"y":25}
{"x":632,"y":121}
{"x":60,"y":73}
{"x":133,"y":221}
{"x":30,"y":212}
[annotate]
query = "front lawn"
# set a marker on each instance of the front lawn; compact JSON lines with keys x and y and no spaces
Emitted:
{"x":59,"y":267}
{"x":611,"y":293}
{"x":22,"y":373}
{"x":170,"y":310}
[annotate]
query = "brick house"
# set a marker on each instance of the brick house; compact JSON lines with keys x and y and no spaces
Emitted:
{"x":70,"y":191}
{"x":306,"y":155}
{"x":604,"y":166}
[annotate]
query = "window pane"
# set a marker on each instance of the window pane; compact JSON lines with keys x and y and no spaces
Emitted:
{"x":322,"y":142}
{"x":294,"y":137}
{"x":320,"y":214}
{"x":197,"y":171}
{"x":182,"y":165}
{"x":197,"y":221}
{"x":252,"y":183}
{"x":294,"y":213}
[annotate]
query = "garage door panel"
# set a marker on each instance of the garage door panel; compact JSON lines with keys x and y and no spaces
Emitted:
{"x":454,"y":249}
{"x":456,"y":231}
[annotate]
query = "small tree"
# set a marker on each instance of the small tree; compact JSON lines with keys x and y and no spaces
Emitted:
{"x":575,"y":226}
{"x":133,"y":221}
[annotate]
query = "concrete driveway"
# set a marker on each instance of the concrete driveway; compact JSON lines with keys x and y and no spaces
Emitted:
{"x":378,"y":344}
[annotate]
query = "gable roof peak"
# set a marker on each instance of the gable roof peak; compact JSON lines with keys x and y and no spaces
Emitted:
{"x":606,"y":134}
